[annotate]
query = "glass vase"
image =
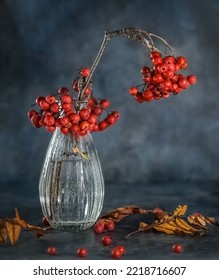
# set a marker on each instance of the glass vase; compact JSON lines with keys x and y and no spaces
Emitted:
{"x":71,"y":185}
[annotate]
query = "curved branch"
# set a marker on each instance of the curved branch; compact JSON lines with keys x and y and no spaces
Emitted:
{"x":130,"y":33}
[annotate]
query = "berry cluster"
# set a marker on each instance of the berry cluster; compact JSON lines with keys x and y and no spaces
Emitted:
{"x":103,"y":225}
{"x":164,"y":78}
{"x":72,"y":115}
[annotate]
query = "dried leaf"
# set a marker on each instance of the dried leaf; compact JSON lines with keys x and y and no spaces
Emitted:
{"x":186,"y":228}
{"x":164,"y":228}
{"x":180,"y":210}
{"x":76,"y":150}
{"x":21,"y":222}
{"x":143,"y":226}
{"x":211,"y":221}
{"x":13,"y":231}
{"x":10,"y":229}
{"x":201,"y":221}
{"x":161,"y":215}
{"x":192,"y":220}
{"x":39,"y":234}
{"x":122,"y":212}
{"x":32,"y":227}
{"x":3,"y":232}
{"x":176,"y":224}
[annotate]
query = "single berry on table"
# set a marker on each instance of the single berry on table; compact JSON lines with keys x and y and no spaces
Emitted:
{"x":118,"y":251}
{"x":52,"y":251}
{"x":110,"y":226}
{"x":177,"y":248}
{"x":121,"y":248}
{"x":82,"y":252}
{"x":115,"y":253}
{"x":98,"y":227}
{"x":106,"y":240}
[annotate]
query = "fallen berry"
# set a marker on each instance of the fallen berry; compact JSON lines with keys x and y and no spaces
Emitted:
{"x":51,"y":251}
{"x":82,"y":252}
{"x":177,"y":248}
{"x":106,"y":240}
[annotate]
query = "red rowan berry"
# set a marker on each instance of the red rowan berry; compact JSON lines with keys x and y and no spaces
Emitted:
{"x":51,"y":251}
{"x":82,"y":252}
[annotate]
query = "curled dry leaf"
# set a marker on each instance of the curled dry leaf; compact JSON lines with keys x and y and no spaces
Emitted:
{"x":180,"y":210}
{"x":122,"y":212}
{"x":212,"y":221}
{"x":201,"y":221}
{"x":10,"y":229}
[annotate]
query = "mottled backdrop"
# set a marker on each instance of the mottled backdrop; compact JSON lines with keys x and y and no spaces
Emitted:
{"x":44,"y":42}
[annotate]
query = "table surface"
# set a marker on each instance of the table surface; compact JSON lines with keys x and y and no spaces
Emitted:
{"x":200,"y":197}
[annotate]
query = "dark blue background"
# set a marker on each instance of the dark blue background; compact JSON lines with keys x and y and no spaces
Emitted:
{"x":43,"y":43}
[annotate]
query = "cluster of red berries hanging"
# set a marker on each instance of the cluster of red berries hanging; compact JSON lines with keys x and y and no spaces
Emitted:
{"x":162,"y":78}
{"x":68,"y":113}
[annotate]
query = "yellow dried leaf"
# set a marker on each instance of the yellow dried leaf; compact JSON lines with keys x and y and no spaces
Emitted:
{"x":164,"y":229}
{"x":21,"y":222}
{"x":3,"y":233}
{"x":185,"y":227}
{"x":180,"y":210}
{"x":143,"y":226}
{"x":76,"y":150}
{"x":17,"y":216}
{"x":13,"y":231}
{"x":192,"y":219}
{"x":176,"y":227}
{"x":165,"y":225}
{"x":201,"y":221}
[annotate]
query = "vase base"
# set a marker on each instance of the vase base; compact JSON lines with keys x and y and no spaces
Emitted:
{"x":72,"y":226}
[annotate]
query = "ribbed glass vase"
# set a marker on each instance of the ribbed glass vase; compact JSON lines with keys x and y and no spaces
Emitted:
{"x":71,"y":185}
